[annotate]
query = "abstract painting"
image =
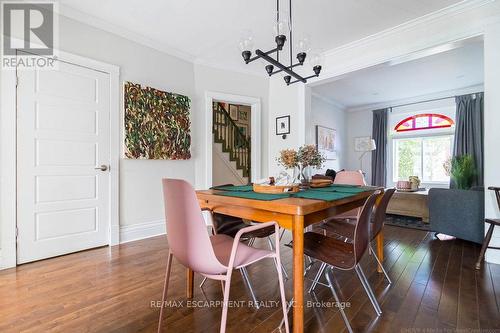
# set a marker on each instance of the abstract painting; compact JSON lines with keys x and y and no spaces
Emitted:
{"x":157,"y":124}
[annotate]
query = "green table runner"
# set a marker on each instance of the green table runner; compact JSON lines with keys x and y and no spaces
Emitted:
{"x":322,"y":195}
{"x":254,"y":195}
{"x":337,"y":188}
{"x":240,"y":188}
{"x":345,"y":185}
{"x":329,"y":193}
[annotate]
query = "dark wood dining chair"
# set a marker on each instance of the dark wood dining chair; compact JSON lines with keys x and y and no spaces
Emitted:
{"x":344,"y":229}
{"x":338,"y":254}
{"x":493,"y":223}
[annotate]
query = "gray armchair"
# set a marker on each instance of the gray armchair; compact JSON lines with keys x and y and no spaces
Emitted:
{"x":458,"y":213}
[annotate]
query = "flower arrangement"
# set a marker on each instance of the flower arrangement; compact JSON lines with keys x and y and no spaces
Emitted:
{"x":308,"y":155}
{"x":305,"y":156}
{"x":288,"y":158}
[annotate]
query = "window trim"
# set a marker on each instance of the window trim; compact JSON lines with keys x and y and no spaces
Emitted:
{"x":450,"y":133}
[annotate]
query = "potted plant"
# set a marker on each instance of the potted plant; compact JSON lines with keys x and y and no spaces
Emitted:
{"x":461,"y":170}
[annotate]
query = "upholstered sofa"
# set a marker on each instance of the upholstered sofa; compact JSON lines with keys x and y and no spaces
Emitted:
{"x":458,"y":213}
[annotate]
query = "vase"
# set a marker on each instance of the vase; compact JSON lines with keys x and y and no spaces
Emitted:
{"x":300,"y":176}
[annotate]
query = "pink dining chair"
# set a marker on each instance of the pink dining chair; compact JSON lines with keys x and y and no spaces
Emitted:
{"x":214,"y":257}
{"x":349,"y":178}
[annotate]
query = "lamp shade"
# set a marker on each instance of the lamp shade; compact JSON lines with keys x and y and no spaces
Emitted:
{"x":371,"y":145}
{"x":364,"y":144}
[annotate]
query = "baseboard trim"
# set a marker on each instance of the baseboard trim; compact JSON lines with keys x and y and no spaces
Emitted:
{"x":129,"y":233}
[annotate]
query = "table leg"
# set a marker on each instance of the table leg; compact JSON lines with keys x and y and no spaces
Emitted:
{"x":380,"y":238}
{"x":298,"y":274}
{"x":380,"y":249}
{"x":190,"y":283}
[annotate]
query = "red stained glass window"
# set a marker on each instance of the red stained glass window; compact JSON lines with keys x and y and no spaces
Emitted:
{"x":424,"y":121}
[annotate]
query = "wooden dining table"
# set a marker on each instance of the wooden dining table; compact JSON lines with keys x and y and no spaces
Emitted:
{"x":293,"y":214}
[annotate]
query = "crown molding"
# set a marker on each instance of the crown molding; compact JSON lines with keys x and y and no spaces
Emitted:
{"x":419,"y":99}
{"x":96,"y":22}
{"x":457,"y":8}
{"x":229,"y":68}
{"x":330,"y":101}
{"x":91,"y":20}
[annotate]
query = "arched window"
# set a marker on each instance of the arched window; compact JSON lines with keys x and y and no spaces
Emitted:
{"x":424,"y":121}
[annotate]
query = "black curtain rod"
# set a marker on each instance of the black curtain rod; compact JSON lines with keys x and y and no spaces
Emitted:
{"x":430,"y":100}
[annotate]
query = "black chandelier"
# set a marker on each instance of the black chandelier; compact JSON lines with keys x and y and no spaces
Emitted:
{"x":281,"y":28}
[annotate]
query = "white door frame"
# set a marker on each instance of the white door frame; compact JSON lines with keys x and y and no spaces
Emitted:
{"x":255,"y":132}
{"x":8,"y":146}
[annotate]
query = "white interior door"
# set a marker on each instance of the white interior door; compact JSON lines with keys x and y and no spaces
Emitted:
{"x":63,"y":138}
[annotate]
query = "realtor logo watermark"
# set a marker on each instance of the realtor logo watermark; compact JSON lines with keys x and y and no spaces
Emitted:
{"x":29,"y":35}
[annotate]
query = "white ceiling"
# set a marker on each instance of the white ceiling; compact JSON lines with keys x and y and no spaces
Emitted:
{"x":451,"y":70}
{"x":208,"y":31}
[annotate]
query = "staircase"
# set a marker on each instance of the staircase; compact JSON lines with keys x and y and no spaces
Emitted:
{"x":233,"y":142}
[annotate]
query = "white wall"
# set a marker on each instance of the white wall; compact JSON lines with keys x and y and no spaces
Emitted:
{"x":327,"y":114}
{"x":359,"y":123}
{"x":286,"y":100}
{"x":491,"y":132}
{"x":218,"y":80}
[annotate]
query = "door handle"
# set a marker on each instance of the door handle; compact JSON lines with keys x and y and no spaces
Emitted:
{"x":103,"y":167}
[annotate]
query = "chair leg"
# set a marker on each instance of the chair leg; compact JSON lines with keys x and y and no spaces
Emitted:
{"x":225,"y":305}
{"x":282,"y":233}
{"x":271,"y":246}
{"x":165,"y":288}
{"x":309,"y":265}
{"x":309,"y":259}
{"x":486,"y":243}
{"x":244,"y":274}
{"x":368,"y":289}
{"x":203,"y":282}
{"x":318,"y":276}
{"x":278,"y":266}
{"x":285,"y":318}
{"x":380,"y":264}
{"x":329,"y":278}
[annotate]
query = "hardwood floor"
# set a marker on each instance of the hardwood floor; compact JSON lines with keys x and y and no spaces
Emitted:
{"x":435,"y":286}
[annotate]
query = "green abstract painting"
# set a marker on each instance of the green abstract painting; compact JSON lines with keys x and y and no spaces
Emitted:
{"x":157,"y":124}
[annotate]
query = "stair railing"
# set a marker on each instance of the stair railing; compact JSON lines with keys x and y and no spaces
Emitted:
{"x":234,"y":142}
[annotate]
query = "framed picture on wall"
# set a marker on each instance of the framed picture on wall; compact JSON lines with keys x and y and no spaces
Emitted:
{"x":242,"y":116}
{"x":233,"y":111}
{"x":283,"y":125}
{"x":361,"y":142}
{"x":325,"y":142}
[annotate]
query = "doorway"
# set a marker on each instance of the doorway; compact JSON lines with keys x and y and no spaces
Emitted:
{"x":231,"y":149}
{"x":251,"y":131}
